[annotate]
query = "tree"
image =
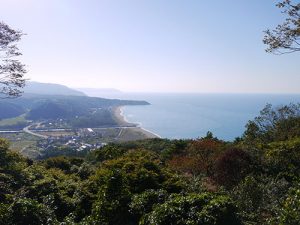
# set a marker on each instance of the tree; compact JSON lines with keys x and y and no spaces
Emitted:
{"x":205,"y":150}
{"x":274,"y":124}
{"x":285,"y":38}
{"x":12,"y":71}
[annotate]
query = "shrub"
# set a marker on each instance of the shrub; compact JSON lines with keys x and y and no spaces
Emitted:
{"x":27,"y":211}
{"x":202,"y":209}
{"x":119,"y":179}
{"x":232,"y":166}
{"x":289,"y":214}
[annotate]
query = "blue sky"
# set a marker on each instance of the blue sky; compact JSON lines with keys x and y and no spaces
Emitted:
{"x":153,"y":45}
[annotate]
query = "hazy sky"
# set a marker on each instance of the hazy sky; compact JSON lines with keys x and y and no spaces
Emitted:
{"x":153,"y":45}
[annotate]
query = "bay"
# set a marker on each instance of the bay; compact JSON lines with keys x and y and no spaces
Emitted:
{"x":177,"y":116}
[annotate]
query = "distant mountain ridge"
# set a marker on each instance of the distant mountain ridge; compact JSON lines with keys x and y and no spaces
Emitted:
{"x":33,"y":87}
{"x":101,"y":92}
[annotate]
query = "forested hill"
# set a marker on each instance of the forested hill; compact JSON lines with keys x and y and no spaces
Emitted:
{"x":53,"y":101}
{"x":45,"y":106}
{"x":9,"y":110}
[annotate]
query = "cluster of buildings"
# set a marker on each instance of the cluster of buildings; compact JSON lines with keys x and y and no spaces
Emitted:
{"x":72,"y":142}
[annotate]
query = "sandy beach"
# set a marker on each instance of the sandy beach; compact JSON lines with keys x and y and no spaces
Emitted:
{"x":119,"y":117}
{"x":118,"y":114}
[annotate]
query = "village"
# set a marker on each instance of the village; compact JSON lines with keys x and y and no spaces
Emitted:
{"x":76,"y":140}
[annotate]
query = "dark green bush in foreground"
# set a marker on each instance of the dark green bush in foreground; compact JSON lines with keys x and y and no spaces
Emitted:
{"x":204,"y":209}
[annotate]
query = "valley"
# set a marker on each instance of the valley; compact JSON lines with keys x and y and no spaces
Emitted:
{"x":45,"y":138}
{"x":44,"y":125}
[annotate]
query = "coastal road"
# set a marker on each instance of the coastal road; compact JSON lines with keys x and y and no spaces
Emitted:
{"x":26,"y":130}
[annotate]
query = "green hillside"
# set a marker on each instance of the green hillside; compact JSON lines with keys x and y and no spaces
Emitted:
{"x":58,"y":106}
{"x":9,"y":110}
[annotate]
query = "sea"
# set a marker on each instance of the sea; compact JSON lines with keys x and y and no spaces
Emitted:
{"x":191,"y":116}
{"x":182,"y":116}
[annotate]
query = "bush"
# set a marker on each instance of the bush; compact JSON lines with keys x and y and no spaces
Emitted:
{"x":202,"y":209}
{"x":289,"y":214}
{"x":29,"y":212}
{"x":283,"y":159}
{"x":249,"y":196}
{"x":143,"y":203}
{"x":119,"y":179}
{"x":232,"y":166}
{"x":59,"y":162}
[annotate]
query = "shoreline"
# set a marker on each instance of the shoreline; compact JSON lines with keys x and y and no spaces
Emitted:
{"x":121,"y":119}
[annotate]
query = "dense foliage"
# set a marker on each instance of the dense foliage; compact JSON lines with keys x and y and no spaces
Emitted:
{"x":206,"y":181}
{"x":12,"y":71}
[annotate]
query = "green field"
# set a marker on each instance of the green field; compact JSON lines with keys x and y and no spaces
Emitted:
{"x":24,"y":143}
{"x":12,"y":122}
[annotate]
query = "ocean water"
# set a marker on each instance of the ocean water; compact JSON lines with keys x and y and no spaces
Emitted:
{"x":178,"y":116}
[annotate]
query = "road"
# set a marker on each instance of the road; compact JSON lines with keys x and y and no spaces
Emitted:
{"x":26,"y":130}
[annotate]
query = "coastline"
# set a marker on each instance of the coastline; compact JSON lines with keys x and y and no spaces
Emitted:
{"x":122,"y":121}
{"x":120,"y":118}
